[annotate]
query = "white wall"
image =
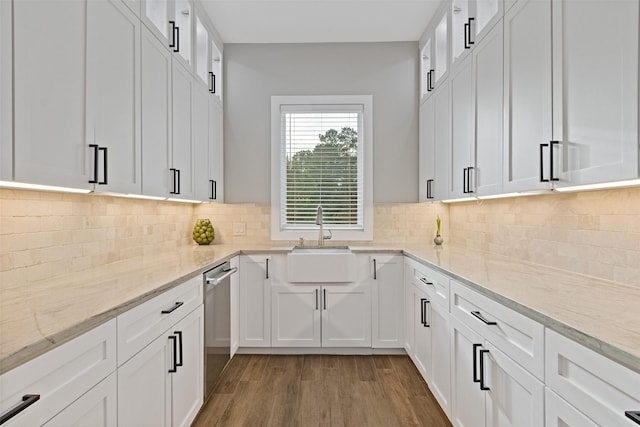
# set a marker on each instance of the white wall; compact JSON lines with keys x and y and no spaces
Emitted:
{"x":255,"y":72}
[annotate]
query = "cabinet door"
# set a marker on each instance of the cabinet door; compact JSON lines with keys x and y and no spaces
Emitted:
{"x":255,"y":301}
{"x":346,"y":316}
{"x":216,"y":150}
{"x":49,"y":92}
{"x":515,"y":397}
{"x":187,"y":382}
{"x":156,"y":115}
{"x":427,"y":149}
{"x":440,"y":379}
{"x":460,"y":181}
{"x":409,"y":327}
{"x":527,"y":95}
{"x":559,"y":413}
{"x":144,"y":387}
{"x":181,"y":181}
{"x":596,"y":101}
{"x":295,"y":316}
{"x":467,"y":400}
{"x":488,"y":103}
{"x":6,"y":93}
{"x":113,"y":94}
{"x":95,"y":408}
{"x":387,"y":301}
{"x":442,"y":141}
{"x":422,"y":333}
{"x":201,"y":142}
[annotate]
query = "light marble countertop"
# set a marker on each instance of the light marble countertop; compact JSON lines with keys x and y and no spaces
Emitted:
{"x":599,"y":314}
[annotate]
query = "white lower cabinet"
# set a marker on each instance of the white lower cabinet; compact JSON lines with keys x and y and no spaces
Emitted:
{"x":596,"y":386}
{"x":43,"y":387}
{"x":162,"y":384}
{"x":255,"y":301}
{"x":489,"y":388}
{"x":95,"y":408}
{"x":560,"y":413}
{"x":315,"y":316}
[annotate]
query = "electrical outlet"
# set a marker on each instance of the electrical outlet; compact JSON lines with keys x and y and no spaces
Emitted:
{"x":239,"y":228}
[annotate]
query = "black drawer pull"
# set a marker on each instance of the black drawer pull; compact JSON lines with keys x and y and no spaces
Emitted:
{"x":172,"y":309}
{"x":27,"y":400}
{"x":633,"y":415}
{"x":479,"y":316}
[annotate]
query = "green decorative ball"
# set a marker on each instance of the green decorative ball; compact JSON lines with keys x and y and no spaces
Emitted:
{"x":203,"y":232}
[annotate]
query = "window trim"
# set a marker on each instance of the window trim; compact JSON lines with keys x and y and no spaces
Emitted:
{"x":311,"y":234}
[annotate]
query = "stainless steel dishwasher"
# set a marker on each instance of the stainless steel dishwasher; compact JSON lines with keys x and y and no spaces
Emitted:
{"x":217,"y":323}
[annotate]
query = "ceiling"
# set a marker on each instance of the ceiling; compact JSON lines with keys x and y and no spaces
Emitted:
{"x":319,"y":21}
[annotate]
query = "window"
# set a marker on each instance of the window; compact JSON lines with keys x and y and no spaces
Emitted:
{"x":321,"y":156}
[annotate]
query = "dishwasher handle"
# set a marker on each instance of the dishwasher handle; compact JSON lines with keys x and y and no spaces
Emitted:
{"x":217,"y":279}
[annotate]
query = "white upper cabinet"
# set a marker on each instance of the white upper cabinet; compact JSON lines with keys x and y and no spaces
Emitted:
{"x":486,"y":177}
{"x":471,"y":20}
{"x":527,"y":98}
{"x":595,"y":89}
{"x":49,"y":93}
{"x":113,"y":96}
{"x":171,"y":21}
{"x":156,"y":115}
{"x":434,"y":145}
{"x":434,"y":64}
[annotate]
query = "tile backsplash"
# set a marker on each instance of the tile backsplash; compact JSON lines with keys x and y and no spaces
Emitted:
{"x":595,"y":233}
{"x":45,"y":234}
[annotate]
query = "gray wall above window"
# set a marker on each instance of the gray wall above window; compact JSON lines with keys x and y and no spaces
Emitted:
{"x":255,"y":72}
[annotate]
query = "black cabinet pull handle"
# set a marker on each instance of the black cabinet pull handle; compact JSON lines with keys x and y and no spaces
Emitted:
{"x":316,"y":299}
{"x":429,"y":195}
{"x":176,"y":31}
{"x":551,"y":144}
{"x":632,"y":415}
{"x":479,"y":316}
{"x":179,"y":334}
{"x":476,"y":377}
{"x":324,"y":298}
{"x":267,"y":269}
{"x":425,"y":281}
{"x":27,"y":400}
{"x":95,"y":163}
{"x":104,"y":165}
{"x":175,"y":351}
{"x":425,"y":323}
{"x":173,"y":34}
{"x":470,"y":23}
{"x":482,"y":386}
{"x":542,"y":179}
{"x":375,"y":269}
{"x":172,"y":309}
{"x":214,"y":190}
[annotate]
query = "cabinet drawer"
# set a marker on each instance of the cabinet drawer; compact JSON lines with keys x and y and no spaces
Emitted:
{"x":518,"y":336}
{"x":142,"y":324}
{"x":597,"y":386}
{"x":59,"y":376}
{"x":437,"y":284}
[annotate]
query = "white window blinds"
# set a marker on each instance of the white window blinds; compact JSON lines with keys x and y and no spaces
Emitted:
{"x":321,"y":164}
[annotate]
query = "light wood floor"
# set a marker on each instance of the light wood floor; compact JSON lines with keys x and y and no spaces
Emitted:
{"x":259,"y":390}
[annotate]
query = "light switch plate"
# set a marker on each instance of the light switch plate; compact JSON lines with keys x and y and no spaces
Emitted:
{"x":239,"y":228}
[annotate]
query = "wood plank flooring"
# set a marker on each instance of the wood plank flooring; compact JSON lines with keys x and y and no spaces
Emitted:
{"x":321,"y":390}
